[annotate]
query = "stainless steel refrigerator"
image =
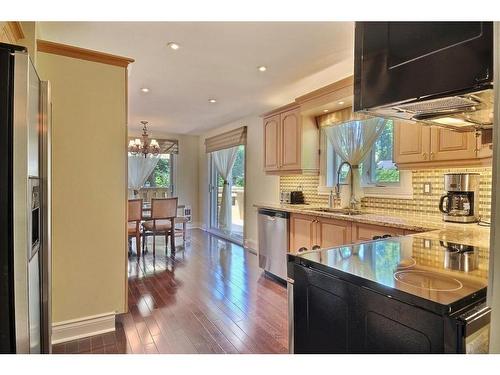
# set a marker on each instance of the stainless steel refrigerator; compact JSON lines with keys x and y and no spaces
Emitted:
{"x":24,"y":205}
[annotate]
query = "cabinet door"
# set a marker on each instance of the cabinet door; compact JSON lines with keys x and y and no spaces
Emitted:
{"x":322,"y":312}
{"x":271,"y":143}
{"x":331,"y":232}
{"x":291,"y":139}
{"x":385,"y":325}
{"x":451,"y":145}
{"x":484,"y":150}
{"x":302,"y":232}
{"x":411,"y":142}
{"x":366,"y":232}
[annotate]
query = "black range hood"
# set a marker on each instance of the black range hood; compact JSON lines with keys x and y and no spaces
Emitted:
{"x":440,"y":73}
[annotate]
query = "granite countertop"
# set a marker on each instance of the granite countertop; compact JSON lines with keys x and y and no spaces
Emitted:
{"x":469,"y":234}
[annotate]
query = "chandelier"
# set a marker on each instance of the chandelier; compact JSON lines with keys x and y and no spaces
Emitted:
{"x":144,"y":146}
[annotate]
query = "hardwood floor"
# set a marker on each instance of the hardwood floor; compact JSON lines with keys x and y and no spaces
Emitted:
{"x":212,"y":298}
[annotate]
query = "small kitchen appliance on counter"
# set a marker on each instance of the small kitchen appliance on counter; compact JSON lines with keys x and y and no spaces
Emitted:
{"x":291,"y":197}
{"x":460,"y":204}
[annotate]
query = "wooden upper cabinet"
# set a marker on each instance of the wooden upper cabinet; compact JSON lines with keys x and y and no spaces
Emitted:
{"x":422,"y":146}
{"x":451,"y":145}
{"x":291,"y":142}
{"x":291,"y":134}
{"x":411,"y":143}
{"x":271,"y":143}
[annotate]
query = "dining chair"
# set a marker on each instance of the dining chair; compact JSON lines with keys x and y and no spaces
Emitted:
{"x":163,"y":214}
{"x":134,"y":223}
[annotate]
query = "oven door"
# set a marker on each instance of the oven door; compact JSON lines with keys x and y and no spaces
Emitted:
{"x":401,"y":61}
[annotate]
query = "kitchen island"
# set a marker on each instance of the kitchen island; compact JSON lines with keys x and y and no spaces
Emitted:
{"x":412,"y":294}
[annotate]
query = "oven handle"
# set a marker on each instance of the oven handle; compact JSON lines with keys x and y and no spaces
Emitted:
{"x":477,"y":320}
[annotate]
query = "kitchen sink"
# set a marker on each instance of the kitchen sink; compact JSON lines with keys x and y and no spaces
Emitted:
{"x":340,"y":211}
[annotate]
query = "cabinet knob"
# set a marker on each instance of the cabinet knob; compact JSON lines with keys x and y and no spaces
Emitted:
{"x":302,"y":249}
{"x":424,"y":155}
{"x":316,"y":247}
{"x":432,"y":155}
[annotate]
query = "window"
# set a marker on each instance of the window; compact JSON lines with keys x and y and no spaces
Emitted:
{"x":380,"y":175}
{"x":162,"y":175}
{"x":379,"y":169}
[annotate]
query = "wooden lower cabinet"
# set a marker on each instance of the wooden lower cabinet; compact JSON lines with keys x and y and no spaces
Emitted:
{"x":302,"y":232}
{"x":308,"y":231}
{"x":366,"y":232}
{"x":331,"y":232}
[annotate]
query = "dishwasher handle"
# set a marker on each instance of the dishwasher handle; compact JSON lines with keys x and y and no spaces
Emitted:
{"x":274,"y":213}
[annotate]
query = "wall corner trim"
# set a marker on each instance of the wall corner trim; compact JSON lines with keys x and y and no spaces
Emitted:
{"x":82,"y":327}
{"x":82,"y":53}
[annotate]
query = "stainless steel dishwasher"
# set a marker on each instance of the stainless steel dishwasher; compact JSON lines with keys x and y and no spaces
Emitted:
{"x":273,"y":241}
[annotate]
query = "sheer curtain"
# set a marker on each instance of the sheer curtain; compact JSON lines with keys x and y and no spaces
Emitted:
{"x":139,"y":168}
{"x":352,"y":141}
{"x":224,"y":162}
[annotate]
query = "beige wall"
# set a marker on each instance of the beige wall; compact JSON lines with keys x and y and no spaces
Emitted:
{"x":259,"y":187}
{"x":88,"y":152}
{"x":186,"y":168}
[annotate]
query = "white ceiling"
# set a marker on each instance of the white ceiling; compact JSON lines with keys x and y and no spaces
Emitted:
{"x":216,"y":60}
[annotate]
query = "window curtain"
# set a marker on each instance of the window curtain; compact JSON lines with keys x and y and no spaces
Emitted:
{"x":224,"y":162}
{"x":352,"y":141}
{"x":139,"y":168}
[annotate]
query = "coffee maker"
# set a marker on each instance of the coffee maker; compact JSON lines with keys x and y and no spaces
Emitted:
{"x":460,"y":204}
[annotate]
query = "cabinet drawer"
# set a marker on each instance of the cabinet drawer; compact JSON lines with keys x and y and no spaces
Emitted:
{"x":366,"y":232}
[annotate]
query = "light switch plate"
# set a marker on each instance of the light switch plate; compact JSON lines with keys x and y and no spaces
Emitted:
{"x":427,"y":188}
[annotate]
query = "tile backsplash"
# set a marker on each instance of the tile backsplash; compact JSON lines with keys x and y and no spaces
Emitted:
{"x":421,"y":204}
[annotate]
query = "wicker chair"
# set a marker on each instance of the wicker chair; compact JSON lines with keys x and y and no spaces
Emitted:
{"x":162,"y":222}
{"x":134,"y":223}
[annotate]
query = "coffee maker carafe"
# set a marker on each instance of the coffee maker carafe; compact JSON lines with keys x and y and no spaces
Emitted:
{"x":460,"y":204}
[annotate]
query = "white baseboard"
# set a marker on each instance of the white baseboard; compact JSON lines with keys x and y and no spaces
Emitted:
{"x":194,"y":225}
{"x":83,"y":327}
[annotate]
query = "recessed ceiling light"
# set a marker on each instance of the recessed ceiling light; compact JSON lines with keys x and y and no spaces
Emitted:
{"x":173,"y":45}
{"x":325,"y":110}
{"x":145,"y":89}
{"x":341,"y":102}
{"x":212,"y":100}
{"x":262,"y":68}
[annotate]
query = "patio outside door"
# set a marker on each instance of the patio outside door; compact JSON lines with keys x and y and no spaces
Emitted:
{"x":235,"y":229}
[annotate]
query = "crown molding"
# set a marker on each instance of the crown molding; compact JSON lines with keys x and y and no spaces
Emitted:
{"x":16,"y":30}
{"x":82,"y":53}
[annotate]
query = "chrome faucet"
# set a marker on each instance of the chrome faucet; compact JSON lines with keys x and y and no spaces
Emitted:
{"x":352,"y":201}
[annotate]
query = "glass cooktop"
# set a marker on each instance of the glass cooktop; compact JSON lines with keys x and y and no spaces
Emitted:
{"x":436,"y":270}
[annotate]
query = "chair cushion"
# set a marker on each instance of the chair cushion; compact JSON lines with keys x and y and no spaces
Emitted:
{"x":161,"y":225}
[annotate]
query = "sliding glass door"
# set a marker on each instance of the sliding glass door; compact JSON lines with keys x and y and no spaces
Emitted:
{"x":227,"y":196}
